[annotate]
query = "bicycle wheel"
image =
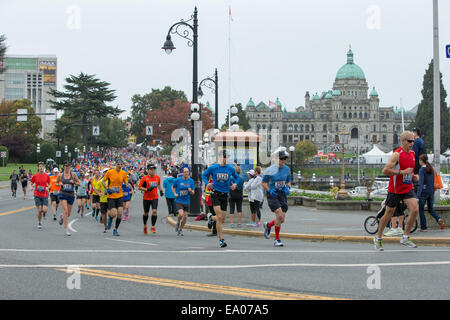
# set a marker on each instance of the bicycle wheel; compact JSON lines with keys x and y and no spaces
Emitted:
{"x":371,"y":225}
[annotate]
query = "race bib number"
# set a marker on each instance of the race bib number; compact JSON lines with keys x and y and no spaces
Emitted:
{"x":183,"y":192}
{"x":153,"y":184}
{"x":67,"y":188}
{"x":407,"y":179}
{"x":125,"y":194}
{"x":115,"y":189}
{"x":280,"y":184}
{"x":55,"y":193}
{"x":40,"y":188}
{"x":222,"y":177}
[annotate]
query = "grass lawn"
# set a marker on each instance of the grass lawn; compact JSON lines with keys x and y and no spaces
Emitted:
{"x":5,"y":172}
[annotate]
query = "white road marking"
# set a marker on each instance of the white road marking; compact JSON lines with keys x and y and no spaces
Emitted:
{"x":70,"y":225}
{"x":218,"y":251}
{"x":278,"y":265}
{"x":137,"y":242}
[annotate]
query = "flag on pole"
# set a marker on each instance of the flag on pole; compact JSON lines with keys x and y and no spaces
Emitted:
{"x":229,"y":13}
{"x":272,"y":104}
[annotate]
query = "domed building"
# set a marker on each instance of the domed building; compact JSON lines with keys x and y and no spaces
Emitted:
{"x":347,"y":104}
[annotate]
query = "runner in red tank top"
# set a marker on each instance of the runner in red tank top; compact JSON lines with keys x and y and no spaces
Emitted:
{"x":400,"y":167}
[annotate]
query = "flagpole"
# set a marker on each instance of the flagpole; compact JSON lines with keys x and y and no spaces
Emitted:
{"x":229,"y":67}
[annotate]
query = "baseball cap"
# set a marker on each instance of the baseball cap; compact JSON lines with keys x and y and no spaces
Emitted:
{"x":283,"y":155}
{"x":55,"y":170}
{"x":251,"y":172}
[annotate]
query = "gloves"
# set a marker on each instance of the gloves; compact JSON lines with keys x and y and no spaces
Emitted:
{"x":273,"y":193}
{"x":161,"y":193}
{"x":287,"y":190}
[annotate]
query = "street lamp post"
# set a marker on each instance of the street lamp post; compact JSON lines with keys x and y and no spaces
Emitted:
{"x":196,"y":121}
{"x":207,"y":82}
{"x":292,"y":149}
{"x":343,"y":139}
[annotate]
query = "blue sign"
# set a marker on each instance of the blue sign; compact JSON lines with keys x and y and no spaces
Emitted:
{"x":447,"y":50}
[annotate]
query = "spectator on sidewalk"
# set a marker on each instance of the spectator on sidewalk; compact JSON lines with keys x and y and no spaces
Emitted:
{"x":257,"y":195}
{"x":425,"y":193}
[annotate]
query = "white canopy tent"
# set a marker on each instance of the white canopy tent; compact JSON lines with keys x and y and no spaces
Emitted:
{"x":376,"y":156}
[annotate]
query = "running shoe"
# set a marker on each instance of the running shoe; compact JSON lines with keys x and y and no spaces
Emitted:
{"x":212,"y":234}
{"x":67,"y":233}
{"x":39,"y":226}
{"x":266,"y":230}
{"x":278,"y":243}
{"x":145,"y":230}
{"x":378,"y":244}
{"x":210,"y":222}
{"x":399,"y":231}
{"x":251,"y":224}
{"x":61,"y":221}
{"x":231,"y":225}
{"x":222,"y":243}
{"x":239,"y":225}
{"x":116,"y":233}
{"x":390,"y":233}
{"x":153,"y":229}
{"x":180,"y":232}
{"x":108,"y":226}
{"x":54,"y":217}
{"x":79,"y":209}
{"x":441,"y":223}
{"x":407,"y":242}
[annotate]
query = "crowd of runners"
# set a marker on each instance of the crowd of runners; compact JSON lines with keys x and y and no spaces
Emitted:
{"x":105,"y":188}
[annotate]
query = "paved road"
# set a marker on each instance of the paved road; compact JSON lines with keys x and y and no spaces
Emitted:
{"x":34,"y":263}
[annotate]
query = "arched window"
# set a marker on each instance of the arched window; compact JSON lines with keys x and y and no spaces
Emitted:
{"x":360,"y":115}
{"x":387,"y":115}
{"x":264,"y":126}
{"x":355,"y":115}
{"x":258,"y":126}
{"x":324,"y":129}
{"x":365,"y":115}
{"x":284,"y":128}
{"x":345,"y":115}
{"x":349,"y":115}
{"x":296,"y":128}
{"x":312,"y":128}
{"x":301,"y":128}
{"x":307,"y":128}
{"x":384,"y":128}
{"x":290,"y":128}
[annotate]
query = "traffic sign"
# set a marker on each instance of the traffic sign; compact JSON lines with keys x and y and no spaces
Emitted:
{"x":149,"y":130}
{"x":95,"y":130}
{"x":22,"y":115}
{"x":447,"y":50}
{"x":3,"y":154}
{"x":58,"y":154}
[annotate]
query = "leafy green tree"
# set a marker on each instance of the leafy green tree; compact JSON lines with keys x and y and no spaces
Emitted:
{"x":85,"y":100}
{"x":155,"y":100}
{"x":10,"y":126}
{"x":243,"y":121}
{"x":113,"y":133}
{"x":425,"y":112}
{"x":48,"y":151}
{"x":304,"y":149}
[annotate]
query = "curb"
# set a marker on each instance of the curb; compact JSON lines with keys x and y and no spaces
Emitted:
{"x":315,"y":237}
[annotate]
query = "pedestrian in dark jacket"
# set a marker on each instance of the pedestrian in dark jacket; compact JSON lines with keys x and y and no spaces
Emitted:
{"x":425,"y":193}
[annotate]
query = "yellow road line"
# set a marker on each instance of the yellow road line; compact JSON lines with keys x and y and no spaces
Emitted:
{"x":219,"y":289}
{"x":17,"y":210}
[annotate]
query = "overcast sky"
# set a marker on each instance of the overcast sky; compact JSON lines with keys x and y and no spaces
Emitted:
{"x":279,"y":48}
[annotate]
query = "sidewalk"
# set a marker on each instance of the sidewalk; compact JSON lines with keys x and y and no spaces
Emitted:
{"x":321,"y":225}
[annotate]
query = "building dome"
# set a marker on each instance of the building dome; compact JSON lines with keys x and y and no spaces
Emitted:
{"x":250,"y":103}
{"x":374,"y":92}
{"x":350,"y":70}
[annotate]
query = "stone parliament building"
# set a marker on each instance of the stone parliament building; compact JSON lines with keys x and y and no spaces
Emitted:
{"x":349,"y":104}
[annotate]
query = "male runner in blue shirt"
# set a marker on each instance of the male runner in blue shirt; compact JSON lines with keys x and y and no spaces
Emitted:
{"x":277,"y":183}
{"x":221,"y":174}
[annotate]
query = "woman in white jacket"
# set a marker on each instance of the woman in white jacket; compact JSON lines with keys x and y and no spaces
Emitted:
{"x":251,"y":177}
{"x":257,"y":196}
